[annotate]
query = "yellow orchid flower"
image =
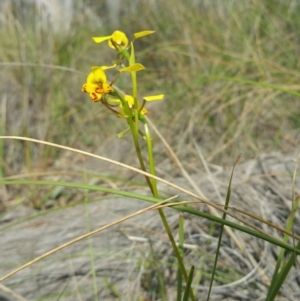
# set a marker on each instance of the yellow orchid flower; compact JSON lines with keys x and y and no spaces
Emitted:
{"x":96,"y":84}
{"x":117,"y":39}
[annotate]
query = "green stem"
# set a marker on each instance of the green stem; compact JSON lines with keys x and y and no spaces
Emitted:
{"x":160,"y":211}
{"x":134,"y":91}
{"x":134,"y":127}
{"x":133,"y":77}
{"x":141,"y":160}
{"x":132,"y":122}
{"x":151,"y":158}
{"x":135,"y":137}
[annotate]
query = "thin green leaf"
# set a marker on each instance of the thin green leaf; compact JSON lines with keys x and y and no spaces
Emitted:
{"x":188,"y":287}
{"x":279,"y":277}
{"x":181,"y":251}
{"x":157,"y":265}
{"x":282,"y":275}
{"x":154,"y":201}
{"x":222,"y":229}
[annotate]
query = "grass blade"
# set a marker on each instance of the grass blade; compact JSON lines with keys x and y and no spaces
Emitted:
{"x":188,"y":285}
{"x":181,"y":250}
{"x":221,"y":230}
{"x":279,"y":277}
{"x":178,"y":207}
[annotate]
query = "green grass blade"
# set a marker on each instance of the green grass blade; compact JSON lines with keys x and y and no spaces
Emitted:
{"x":222,"y":229}
{"x":111,"y":287}
{"x":2,"y":132}
{"x":160,"y":277}
{"x":283,"y":251}
{"x":181,"y":250}
{"x":282,"y":275}
{"x":175,"y":248}
{"x":278,"y":278}
{"x":91,"y":250}
{"x":188,"y":287}
{"x":187,"y":209}
{"x":62,"y":292}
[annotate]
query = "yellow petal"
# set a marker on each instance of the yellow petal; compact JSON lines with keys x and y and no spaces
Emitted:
{"x":101,"y":39}
{"x":143,"y":33}
{"x":90,"y":78}
{"x":95,"y":68}
{"x":154,"y":97}
{"x":119,"y":38}
{"x":107,"y":88}
{"x":133,"y":68}
{"x":99,"y":75}
{"x":84,"y":88}
{"x":144,"y":111}
{"x":95,"y":96}
{"x":89,"y":87}
{"x":130,"y":100}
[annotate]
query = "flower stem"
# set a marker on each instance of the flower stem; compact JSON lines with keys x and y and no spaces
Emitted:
{"x":133,"y":121}
{"x":160,"y":211}
{"x":151,"y":158}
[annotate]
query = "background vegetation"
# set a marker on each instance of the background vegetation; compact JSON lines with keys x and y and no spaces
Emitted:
{"x":229,"y":71}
